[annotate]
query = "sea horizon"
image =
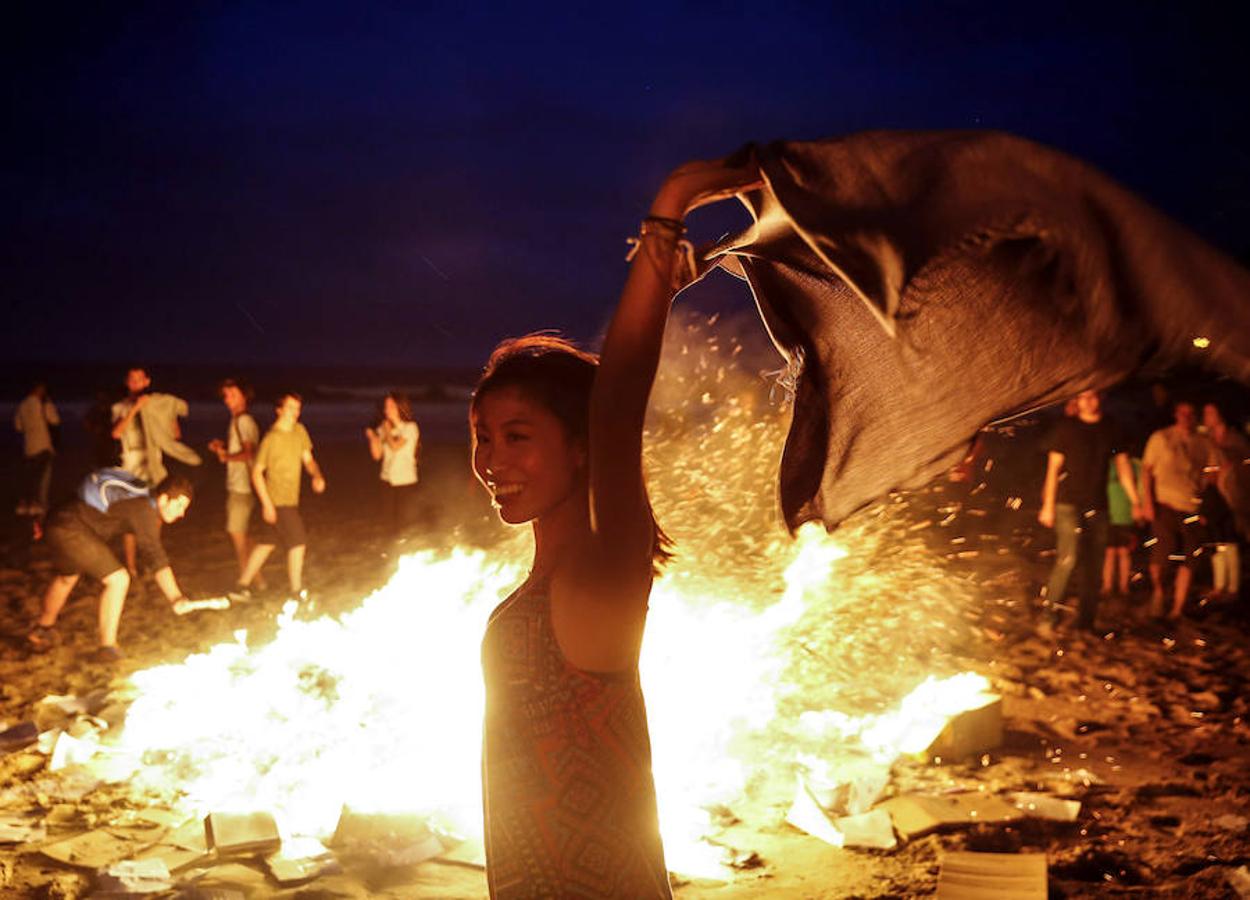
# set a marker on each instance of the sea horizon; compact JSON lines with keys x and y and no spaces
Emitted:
{"x":85,"y":381}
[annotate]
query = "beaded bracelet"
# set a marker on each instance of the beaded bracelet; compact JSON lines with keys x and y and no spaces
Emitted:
{"x":674,"y":225}
{"x":655,"y":226}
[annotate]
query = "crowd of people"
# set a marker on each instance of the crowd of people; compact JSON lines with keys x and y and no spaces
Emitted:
{"x":113,"y":522}
{"x":569,"y":798}
{"x":1189,"y":490}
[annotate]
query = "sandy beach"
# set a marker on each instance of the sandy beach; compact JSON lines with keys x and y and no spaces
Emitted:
{"x":1146,"y":728}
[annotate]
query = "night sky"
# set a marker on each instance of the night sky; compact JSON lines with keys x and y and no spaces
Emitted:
{"x":404,"y":184}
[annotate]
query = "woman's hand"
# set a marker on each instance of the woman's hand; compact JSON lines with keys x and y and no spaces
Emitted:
{"x":701,"y":182}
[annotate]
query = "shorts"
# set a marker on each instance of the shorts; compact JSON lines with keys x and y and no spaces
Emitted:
{"x":1122,"y":536}
{"x":239,"y":508}
{"x":287,"y":531}
{"x":78,"y":551}
{"x":1176,"y":533}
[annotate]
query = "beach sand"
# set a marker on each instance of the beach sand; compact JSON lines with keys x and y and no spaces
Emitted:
{"x":1159,"y":716}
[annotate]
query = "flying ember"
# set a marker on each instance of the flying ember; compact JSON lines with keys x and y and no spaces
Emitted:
{"x":765,"y":656}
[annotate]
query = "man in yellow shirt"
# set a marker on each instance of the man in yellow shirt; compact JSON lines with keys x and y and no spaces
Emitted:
{"x":283,"y":453}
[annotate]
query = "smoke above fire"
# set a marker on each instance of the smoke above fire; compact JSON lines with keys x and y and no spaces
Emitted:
{"x":765,"y":656}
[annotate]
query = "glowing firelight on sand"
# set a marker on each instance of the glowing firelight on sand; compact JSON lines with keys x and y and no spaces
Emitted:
{"x":763,"y":656}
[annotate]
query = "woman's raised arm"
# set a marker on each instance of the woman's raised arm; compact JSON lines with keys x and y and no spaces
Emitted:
{"x":620,"y":511}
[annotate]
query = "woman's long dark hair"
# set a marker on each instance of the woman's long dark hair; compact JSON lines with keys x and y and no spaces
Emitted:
{"x":402,"y":403}
{"x":555,"y":373}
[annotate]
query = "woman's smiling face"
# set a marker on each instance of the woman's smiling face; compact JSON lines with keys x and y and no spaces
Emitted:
{"x":524,"y":456}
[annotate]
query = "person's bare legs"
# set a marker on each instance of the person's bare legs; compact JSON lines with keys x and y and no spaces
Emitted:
{"x":295,"y":568}
{"x":1183,"y":576}
{"x":242,"y":549}
{"x":112,"y":599}
{"x":129,"y":546}
{"x":1156,"y":593}
{"x":1108,"y":568}
{"x":54,"y":598}
{"x":260,"y":553}
{"x":1125,"y":565}
{"x":1219,"y":571}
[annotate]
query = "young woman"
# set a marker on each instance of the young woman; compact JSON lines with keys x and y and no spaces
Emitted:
{"x":395,"y":443}
{"x":568,"y":793}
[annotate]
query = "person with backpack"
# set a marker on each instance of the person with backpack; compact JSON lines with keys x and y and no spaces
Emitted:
{"x":110,"y":502}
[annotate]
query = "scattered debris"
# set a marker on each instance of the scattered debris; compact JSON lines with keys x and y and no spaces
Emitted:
{"x":1044,"y":806}
{"x":971,"y":732}
{"x":149,"y":876}
{"x":242,"y":834}
{"x":96,"y":849}
{"x":70,"y":751}
{"x":917,"y":814}
{"x":874,"y":830}
{"x":806,"y":814}
{"x":21,"y":830}
{"x":390,"y":839}
{"x":19,"y":736}
{"x":992,"y":876}
{"x":300,"y":860}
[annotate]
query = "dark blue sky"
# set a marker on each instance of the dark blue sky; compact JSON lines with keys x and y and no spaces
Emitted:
{"x":402,"y":183}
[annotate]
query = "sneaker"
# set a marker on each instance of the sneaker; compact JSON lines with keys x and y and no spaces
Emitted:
{"x":182,"y":606}
{"x":241,"y":594}
{"x":106,"y":655}
{"x":1046,"y":630}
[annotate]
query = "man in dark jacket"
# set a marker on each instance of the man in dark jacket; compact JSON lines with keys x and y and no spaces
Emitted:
{"x":78,"y":536}
{"x":1074,"y":503}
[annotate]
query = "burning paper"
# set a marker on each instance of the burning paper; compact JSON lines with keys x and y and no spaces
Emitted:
{"x":759,"y":649}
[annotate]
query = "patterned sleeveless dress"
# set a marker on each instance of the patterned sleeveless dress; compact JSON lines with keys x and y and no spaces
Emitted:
{"x":566,"y":768}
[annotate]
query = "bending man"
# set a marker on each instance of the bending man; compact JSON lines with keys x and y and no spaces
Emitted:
{"x":111,"y":502}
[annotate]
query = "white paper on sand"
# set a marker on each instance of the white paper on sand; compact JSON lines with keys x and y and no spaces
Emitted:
{"x":1044,"y":806}
{"x":807,"y":815}
{"x":138,"y":876}
{"x":20,"y":830}
{"x":66,"y":703}
{"x":69,"y":751}
{"x":873,"y":829}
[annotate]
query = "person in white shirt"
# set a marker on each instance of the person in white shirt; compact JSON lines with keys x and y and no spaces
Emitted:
{"x":36,"y":417}
{"x":237,"y":452}
{"x":395,"y":442}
